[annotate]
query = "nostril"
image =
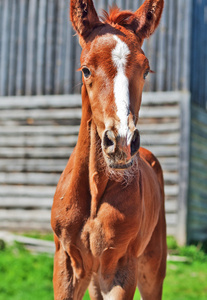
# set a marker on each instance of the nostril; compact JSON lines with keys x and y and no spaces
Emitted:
{"x":109,"y":141}
{"x":135,"y":143}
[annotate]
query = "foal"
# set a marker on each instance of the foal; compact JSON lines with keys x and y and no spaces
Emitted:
{"x":108,"y":212}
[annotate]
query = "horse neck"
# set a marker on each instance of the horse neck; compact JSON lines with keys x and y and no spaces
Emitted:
{"x":88,"y":166}
{"x":98,"y":178}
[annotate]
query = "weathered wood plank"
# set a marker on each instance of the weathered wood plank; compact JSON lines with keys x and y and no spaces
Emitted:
{"x":200,"y":173}
{"x":160,"y":139}
{"x":21,"y":51}
{"x":11,"y":89}
{"x":47,"y":192}
{"x":22,"y":152}
{"x":60,"y":53}
{"x":1,"y":19}
{"x":178,"y":33}
{"x":186,"y":65}
{"x":42,"y":216}
{"x":46,"y":203}
{"x":171,"y":190}
{"x":171,"y":231}
{"x":77,"y":75}
{"x":70,"y":141}
{"x":50,"y":51}
{"x":199,"y":217}
{"x":171,"y":219}
{"x":52,"y":179}
{"x":26,"y":203}
{"x":29,"y":178}
{"x":198,"y":235}
{"x":31,"y":54}
{"x":27,"y":191}
{"x":46,"y":130}
{"x":198,"y":185}
{"x":157,"y":112}
{"x":170,"y":45}
{"x":41,"y":37}
{"x":5,"y":44}
{"x":150,"y":98}
{"x":197,"y":204}
{"x":171,"y":178}
{"x":199,"y":115}
{"x":36,"y":165}
{"x":35,"y":102}
{"x":39,"y":202}
{"x":68,"y":130}
{"x":57,"y":165}
{"x":167,"y":151}
{"x":171,"y":206}
{"x":41,"y":114}
{"x":161,"y":55}
{"x":25,"y":226}
{"x":69,"y":61}
{"x":41,"y":141}
{"x":199,"y":149}
{"x":200,"y":130}
{"x":76,"y":113}
{"x":31,"y":244}
{"x":7,"y":152}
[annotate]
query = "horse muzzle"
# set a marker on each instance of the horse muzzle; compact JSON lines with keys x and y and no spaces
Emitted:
{"x":118,"y":150}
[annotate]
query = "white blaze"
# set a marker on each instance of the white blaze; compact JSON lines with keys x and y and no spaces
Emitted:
{"x":121,"y":84}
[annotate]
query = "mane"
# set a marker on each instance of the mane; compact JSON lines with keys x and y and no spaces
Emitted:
{"x":116,"y":16}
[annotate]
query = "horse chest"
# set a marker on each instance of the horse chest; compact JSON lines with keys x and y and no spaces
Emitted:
{"x":114,"y":226}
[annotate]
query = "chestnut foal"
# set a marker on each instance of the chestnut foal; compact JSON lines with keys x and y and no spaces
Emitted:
{"x":108,"y":212}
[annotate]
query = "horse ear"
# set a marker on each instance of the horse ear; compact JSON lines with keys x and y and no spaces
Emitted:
{"x":148,"y":17}
{"x":83,"y":16}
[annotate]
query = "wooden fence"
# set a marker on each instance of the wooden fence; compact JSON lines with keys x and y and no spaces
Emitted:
{"x":199,"y":54}
{"x":37,"y":135}
{"x":197,"y":196}
{"x":39,"y":53}
{"x":197,"y":207}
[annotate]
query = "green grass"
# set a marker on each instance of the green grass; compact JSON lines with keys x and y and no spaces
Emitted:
{"x":39,"y":235}
{"x":24,"y":276}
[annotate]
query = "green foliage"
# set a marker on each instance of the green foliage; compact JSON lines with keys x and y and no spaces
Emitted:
{"x":185,"y":281}
{"x":171,"y":243}
{"x":39,"y":235}
{"x":195,"y":252}
{"x":27,"y":276}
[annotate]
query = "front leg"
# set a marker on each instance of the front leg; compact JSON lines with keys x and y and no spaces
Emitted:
{"x":152,"y":263}
{"x":117,"y":276}
{"x":66,"y":284}
{"x":94,"y":288}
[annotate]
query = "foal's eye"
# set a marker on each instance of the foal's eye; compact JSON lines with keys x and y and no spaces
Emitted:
{"x":86,"y":72}
{"x":145,"y":74}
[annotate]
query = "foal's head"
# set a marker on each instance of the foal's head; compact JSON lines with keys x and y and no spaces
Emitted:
{"x":114,"y":69}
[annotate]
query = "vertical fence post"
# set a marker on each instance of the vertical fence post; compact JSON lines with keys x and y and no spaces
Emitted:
{"x":50,"y":47}
{"x":6,"y":24}
{"x":21,"y":50}
{"x":183,"y":169}
{"x":31,"y":55}
{"x":41,"y":38}
{"x":13,"y":48}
